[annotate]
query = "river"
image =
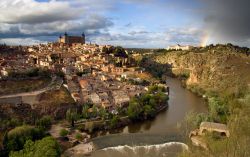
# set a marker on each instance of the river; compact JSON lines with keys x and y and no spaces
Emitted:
{"x":157,"y":137}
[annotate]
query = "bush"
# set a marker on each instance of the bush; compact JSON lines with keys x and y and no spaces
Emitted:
{"x":218,"y":110}
{"x":64,"y":132}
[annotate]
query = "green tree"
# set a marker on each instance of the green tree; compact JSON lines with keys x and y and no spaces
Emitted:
{"x":85,"y":111}
{"x":114,"y":121}
{"x":44,"y":122}
{"x":72,"y":116}
{"x":94,"y":111}
{"x":16,"y":138}
{"x":134,"y":109}
{"x":149,"y":111}
{"x":161,"y":98}
{"x":102,"y":113}
{"x":47,"y":147}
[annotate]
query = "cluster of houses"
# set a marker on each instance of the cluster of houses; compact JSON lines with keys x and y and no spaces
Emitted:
{"x":13,"y":59}
{"x":90,"y":74}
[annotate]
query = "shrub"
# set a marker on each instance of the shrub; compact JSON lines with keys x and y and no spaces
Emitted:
{"x":79,"y":136}
{"x":64,"y":132}
{"x":218,"y":110}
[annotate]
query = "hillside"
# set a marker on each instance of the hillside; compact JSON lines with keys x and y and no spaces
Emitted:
{"x":211,"y":69}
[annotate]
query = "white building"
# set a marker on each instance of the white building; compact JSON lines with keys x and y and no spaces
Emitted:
{"x":179,"y":47}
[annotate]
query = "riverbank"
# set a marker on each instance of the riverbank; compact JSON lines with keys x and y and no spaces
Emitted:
{"x":80,"y":150}
{"x":93,"y":127}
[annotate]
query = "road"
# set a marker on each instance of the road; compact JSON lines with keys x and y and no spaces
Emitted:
{"x":55,"y":83}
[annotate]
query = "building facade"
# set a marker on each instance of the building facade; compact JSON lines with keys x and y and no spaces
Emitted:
{"x":66,"y":39}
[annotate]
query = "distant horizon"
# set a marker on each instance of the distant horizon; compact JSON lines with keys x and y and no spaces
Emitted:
{"x":128,"y":23}
{"x":133,"y":47}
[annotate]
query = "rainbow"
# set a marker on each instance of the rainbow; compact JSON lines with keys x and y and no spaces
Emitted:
{"x":204,"y":40}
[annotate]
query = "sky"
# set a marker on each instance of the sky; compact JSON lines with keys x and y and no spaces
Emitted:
{"x":127,"y":23}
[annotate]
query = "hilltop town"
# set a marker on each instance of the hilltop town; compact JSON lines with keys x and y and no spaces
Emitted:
{"x":93,"y":73}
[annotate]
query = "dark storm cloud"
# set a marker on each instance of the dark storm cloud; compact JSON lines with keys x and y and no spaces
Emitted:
{"x":228,"y":20}
{"x":89,"y":24}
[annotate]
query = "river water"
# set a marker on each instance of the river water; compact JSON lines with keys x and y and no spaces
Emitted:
{"x":158,"y":137}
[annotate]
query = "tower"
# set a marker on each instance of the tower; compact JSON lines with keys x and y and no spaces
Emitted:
{"x":60,"y":39}
{"x":83,"y":37}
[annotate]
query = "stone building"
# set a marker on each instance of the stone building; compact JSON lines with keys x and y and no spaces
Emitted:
{"x":66,"y":39}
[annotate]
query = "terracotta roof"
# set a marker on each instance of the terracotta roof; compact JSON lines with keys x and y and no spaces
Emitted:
{"x":83,"y":83}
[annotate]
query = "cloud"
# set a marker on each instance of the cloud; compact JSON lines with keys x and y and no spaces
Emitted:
{"x":31,"y":22}
{"x":142,"y":38}
{"x":227,"y":20}
{"x":35,"y":19}
{"x":21,"y":41}
{"x":31,"y":11}
{"x":138,"y":32}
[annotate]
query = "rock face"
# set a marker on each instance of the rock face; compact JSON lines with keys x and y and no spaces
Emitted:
{"x":215,"y":68}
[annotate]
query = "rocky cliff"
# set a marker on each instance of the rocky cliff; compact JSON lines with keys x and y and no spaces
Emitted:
{"x":211,"y":69}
